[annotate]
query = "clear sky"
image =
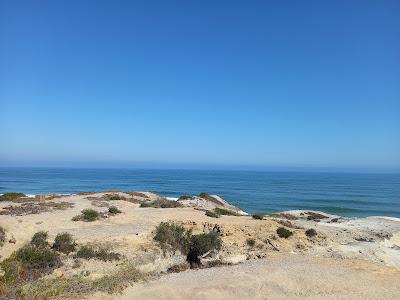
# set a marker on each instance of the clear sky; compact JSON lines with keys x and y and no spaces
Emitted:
{"x":262,"y":83}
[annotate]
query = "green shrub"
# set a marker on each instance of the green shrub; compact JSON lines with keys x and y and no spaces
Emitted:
{"x":39,"y":240}
{"x":224,"y":211}
{"x":201,"y":244}
{"x":2,"y":236}
{"x":11,"y":196}
{"x":212,"y":214}
{"x":162,"y":203}
{"x":258,"y":216}
{"x":185,"y":197}
{"x":114,"y":210}
{"x":283,"y":232}
{"x":250,"y":242}
{"x":90,"y":215}
{"x":173,"y":236}
{"x":88,"y":252}
{"x":204,"y":242}
{"x":204,"y":195}
{"x":116,"y":197}
{"x":33,"y":258}
{"x":64,"y":243}
{"x":311,"y":232}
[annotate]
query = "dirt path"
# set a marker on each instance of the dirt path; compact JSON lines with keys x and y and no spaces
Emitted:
{"x":294,"y":277}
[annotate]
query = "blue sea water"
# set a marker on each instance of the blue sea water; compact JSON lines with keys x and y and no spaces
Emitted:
{"x":254,"y":191}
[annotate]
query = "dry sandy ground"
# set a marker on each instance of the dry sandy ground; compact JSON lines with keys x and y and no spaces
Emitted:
{"x":293,"y":277}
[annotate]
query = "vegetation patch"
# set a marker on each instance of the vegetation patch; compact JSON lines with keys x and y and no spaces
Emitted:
{"x":39,"y":240}
{"x":311,"y":232}
{"x":88,"y":215}
{"x":100,"y":253}
{"x":64,"y":243}
{"x":2,"y":236}
{"x":284,"y":233}
{"x":175,"y":237}
{"x":224,"y":211}
{"x":162,"y":203}
{"x":10,"y":196}
{"x":78,"y":286}
{"x":113,"y":210}
{"x":258,"y":216}
{"x":251,"y":242}
{"x":185,"y":197}
{"x":212,"y":214}
{"x":23,"y":209}
{"x":200,"y":245}
{"x":112,"y":197}
{"x":56,"y":205}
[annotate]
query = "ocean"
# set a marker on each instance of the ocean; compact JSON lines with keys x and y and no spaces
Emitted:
{"x":344,"y":194}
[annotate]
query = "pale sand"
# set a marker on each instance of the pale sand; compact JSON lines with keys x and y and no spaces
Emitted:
{"x":292,"y":277}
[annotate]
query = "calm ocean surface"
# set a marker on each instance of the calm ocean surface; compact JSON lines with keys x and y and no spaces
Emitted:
{"x":254,"y":191}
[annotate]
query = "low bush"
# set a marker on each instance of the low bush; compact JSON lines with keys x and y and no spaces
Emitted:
{"x":114,"y":210}
{"x":250,"y":242}
{"x":173,"y":236}
{"x":116,"y":197}
{"x":88,"y":252}
{"x":10,"y":196}
{"x":185,"y":197}
{"x":258,"y":216}
{"x":311,"y":232}
{"x":39,"y":240}
{"x":204,"y":195}
{"x":284,"y":233}
{"x":162,"y":203}
{"x":201,"y":244}
{"x":224,"y":211}
{"x":212,"y":214}
{"x":64,"y":243}
{"x":33,"y":258}
{"x":2,"y":236}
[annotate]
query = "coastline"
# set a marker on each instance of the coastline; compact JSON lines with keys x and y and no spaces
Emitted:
{"x":371,"y":243}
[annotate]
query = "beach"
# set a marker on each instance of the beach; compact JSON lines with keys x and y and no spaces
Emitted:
{"x":253,"y":260}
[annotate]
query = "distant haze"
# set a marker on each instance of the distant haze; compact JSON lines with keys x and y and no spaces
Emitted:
{"x":305,"y":84}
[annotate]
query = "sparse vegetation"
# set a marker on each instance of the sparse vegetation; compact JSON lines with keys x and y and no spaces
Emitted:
{"x":284,"y":233}
{"x":115,"y":197}
{"x":39,"y":240}
{"x":258,"y":216}
{"x":185,"y":197}
{"x":114,"y":210}
{"x":2,"y":236}
{"x":224,"y":211}
{"x":88,"y":215}
{"x":64,"y":243}
{"x":173,"y":237}
{"x":212,"y":214}
{"x":162,"y":203}
{"x":311,"y":232}
{"x":10,"y":196}
{"x":204,"y":195}
{"x":250,"y":242}
{"x":100,"y":253}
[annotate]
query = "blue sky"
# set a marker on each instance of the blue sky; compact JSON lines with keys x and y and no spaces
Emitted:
{"x":261,"y":83}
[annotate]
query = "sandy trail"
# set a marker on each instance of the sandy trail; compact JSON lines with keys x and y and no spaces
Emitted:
{"x":293,"y":277}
